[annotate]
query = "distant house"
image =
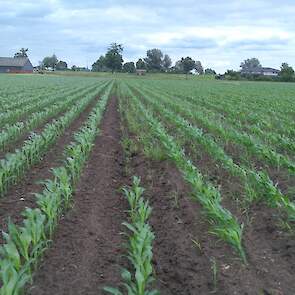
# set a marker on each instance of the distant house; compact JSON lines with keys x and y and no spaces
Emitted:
{"x":270,"y":72}
{"x":261,"y":71}
{"x":140,"y":72}
{"x":15,"y":65}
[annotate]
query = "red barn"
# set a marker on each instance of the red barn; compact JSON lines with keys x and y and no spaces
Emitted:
{"x":15,"y":65}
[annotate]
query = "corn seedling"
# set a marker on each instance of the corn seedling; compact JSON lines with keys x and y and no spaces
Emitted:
{"x":140,"y":239}
{"x":25,"y":244}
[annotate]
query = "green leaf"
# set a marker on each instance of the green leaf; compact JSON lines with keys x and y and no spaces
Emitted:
{"x":113,"y":291}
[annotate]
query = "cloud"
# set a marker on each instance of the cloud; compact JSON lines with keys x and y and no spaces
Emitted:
{"x":219,"y":33}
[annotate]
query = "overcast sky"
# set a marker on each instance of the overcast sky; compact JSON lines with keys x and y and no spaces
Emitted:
{"x":219,"y":33}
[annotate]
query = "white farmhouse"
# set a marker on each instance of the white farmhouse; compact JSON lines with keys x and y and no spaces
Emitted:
{"x":270,"y":72}
{"x":261,"y":71}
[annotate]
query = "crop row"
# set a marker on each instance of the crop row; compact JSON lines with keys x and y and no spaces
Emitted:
{"x":258,"y":185}
{"x":20,"y":97}
{"x":13,"y":167}
{"x":229,"y":134}
{"x":224,"y":224}
{"x":273,"y":131}
{"x":10,"y":117}
{"x":28,"y":97}
{"x":139,"y":246}
{"x":14,"y":131}
{"x":26,"y":243}
{"x":244,"y":99}
{"x":236,"y":107}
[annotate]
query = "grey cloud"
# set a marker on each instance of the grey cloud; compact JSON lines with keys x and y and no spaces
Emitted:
{"x":81,"y":30}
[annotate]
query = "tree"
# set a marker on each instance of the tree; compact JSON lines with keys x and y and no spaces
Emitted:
{"x":99,"y":65}
{"x":178,"y":68}
{"x":154,"y":59}
{"x":129,"y":67}
{"x":140,"y":64}
{"x":74,"y":68}
{"x":210,"y":72}
{"x":232,"y":75}
{"x":50,"y":61}
{"x":187,"y":64}
{"x":199,"y":67}
{"x":287,"y":73}
{"x":61,"y":65}
{"x":113,"y":58}
{"x":250,"y":64}
{"x":21,"y":53}
{"x":167,"y":62}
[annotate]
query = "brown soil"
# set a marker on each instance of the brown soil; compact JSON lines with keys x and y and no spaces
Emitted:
{"x":86,"y":253}
{"x":270,"y":251}
{"x":21,"y":195}
{"x":281,"y":177}
{"x":182,"y":268}
{"x":24,"y":116}
{"x":87,"y":249}
{"x":14,"y":145}
{"x":17,"y":144}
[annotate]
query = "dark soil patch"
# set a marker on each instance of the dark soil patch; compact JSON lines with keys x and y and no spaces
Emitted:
{"x":239,"y":153}
{"x":270,"y":250}
{"x":281,"y":177}
{"x":87,"y":249}
{"x":17,"y":144}
{"x":13,"y":145}
{"x":182,"y":268}
{"x":21,"y":195}
{"x":269,"y":271}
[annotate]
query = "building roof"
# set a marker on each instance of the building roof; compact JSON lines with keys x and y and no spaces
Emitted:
{"x":260,"y":70}
{"x":13,"y":62}
{"x":270,"y":70}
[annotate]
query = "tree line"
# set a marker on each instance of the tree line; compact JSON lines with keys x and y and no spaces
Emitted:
{"x":155,"y":61}
{"x":112,"y":61}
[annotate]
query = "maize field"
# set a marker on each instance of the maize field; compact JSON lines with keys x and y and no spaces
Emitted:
{"x":143,"y":186}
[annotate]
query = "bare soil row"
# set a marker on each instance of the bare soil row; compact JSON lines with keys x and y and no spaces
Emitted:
{"x":87,"y":253}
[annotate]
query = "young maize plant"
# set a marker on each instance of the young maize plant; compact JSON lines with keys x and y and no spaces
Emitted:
{"x":258,"y":185}
{"x":18,"y":256}
{"x":224,"y":224}
{"x":140,"y":239}
{"x":275,"y":119}
{"x":15,"y":165}
{"x":44,"y":101}
{"x":61,"y":103}
{"x":11,"y":116}
{"x":25,"y":244}
{"x":241,"y":110}
{"x":252,"y":144}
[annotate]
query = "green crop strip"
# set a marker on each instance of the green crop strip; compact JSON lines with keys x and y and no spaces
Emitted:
{"x":224,"y":224}
{"x":13,"y":132}
{"x":229,"y":134}
{"x":258,"y":184}
{"x":246,"y":104}
{"x":140,"y":239}
{"x":16,"y":164}
{"x":235,"y":117}
{"x":26,"y":243}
